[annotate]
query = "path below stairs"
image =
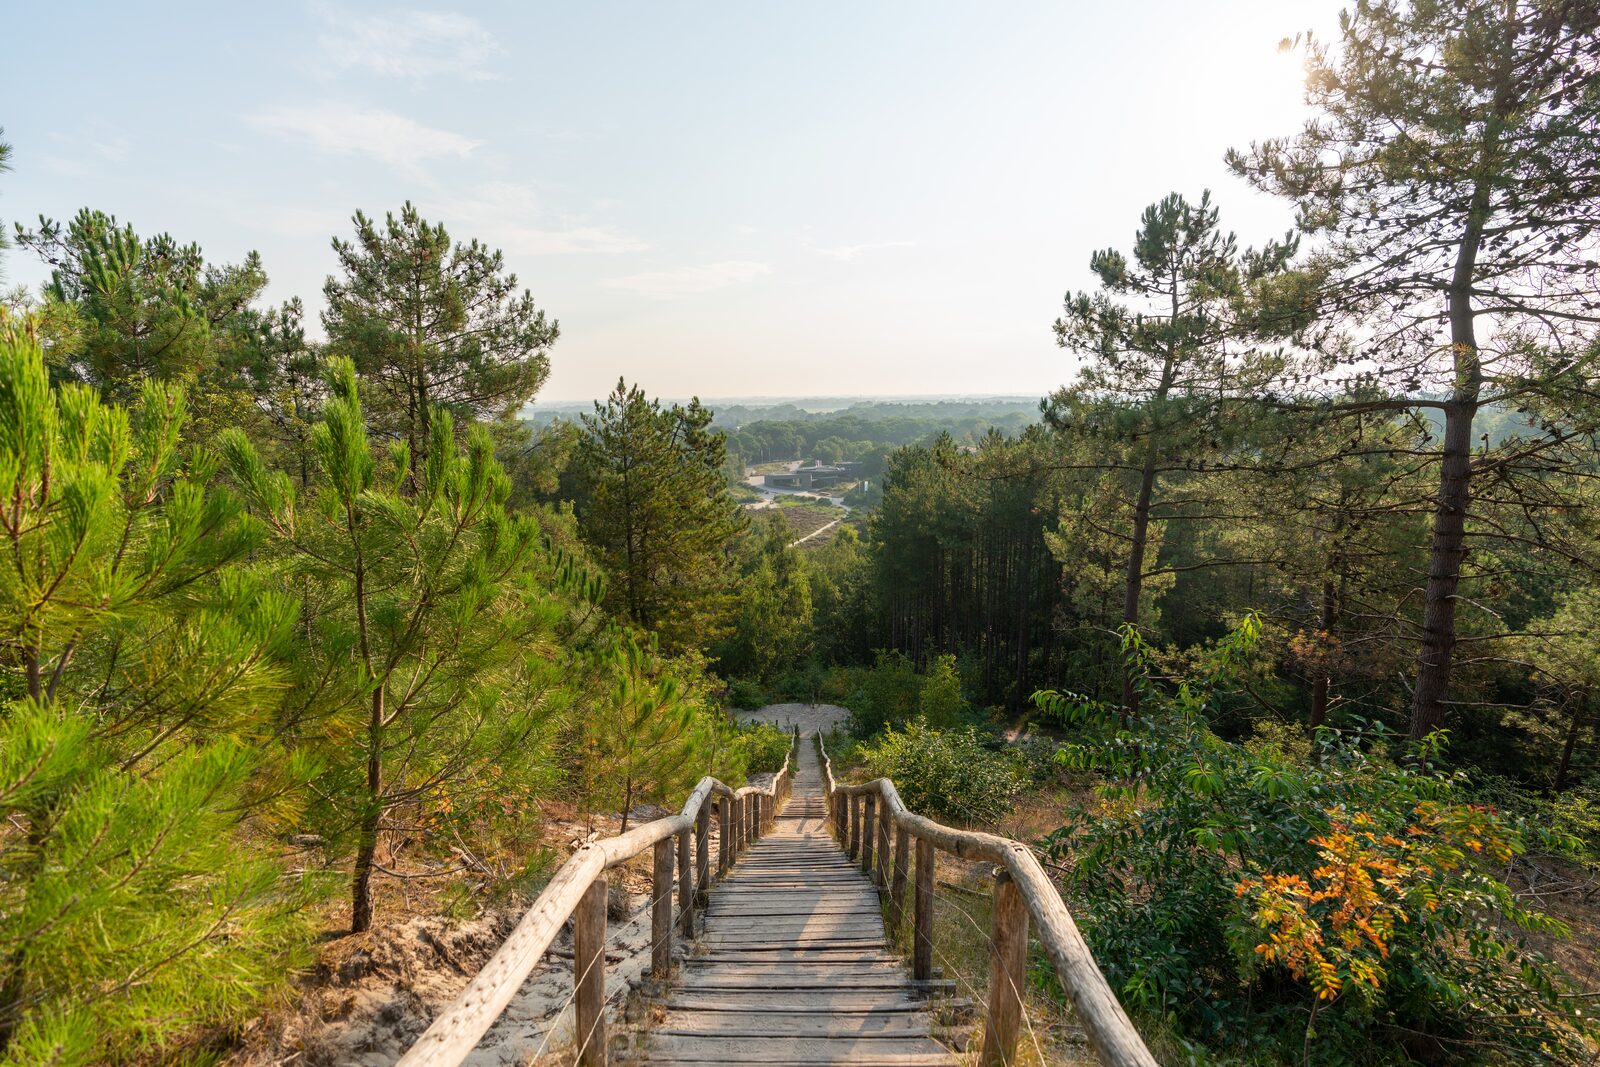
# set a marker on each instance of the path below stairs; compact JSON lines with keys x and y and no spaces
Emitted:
{"x":794,"y":967}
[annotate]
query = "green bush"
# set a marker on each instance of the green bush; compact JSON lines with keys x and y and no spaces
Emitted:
{"x":763,"y":746}
{"x":746,"y":693}
{"x":1309,"y":902}
{"x":948,"y":775}
{"x":885,"y":694}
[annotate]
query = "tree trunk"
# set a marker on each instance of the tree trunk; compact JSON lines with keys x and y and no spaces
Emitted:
{"x":1134,"y":581}
{"x":367,"y":849}
{"x":1319,"y":686}
{"x":1573,"y":729}
{"x":1435,"y":658}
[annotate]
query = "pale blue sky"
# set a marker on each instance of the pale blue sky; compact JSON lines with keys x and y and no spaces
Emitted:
{"x":727,"y":199}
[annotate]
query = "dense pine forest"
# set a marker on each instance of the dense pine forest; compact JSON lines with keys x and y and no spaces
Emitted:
{"x":1280,"y":612}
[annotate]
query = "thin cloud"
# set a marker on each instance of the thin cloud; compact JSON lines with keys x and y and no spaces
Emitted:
{"x":690,"y":281}
{"x":511,"y":216}
{"x":845,"y":253}
{"x":407,"y":44}
{"x":343,"y":129}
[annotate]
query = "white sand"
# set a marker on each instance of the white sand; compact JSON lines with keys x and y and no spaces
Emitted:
{"x":811,"y":718}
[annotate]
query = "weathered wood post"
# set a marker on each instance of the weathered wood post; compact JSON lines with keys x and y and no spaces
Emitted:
{"x":881,"y":875}
{"x":1008,"y":972}
{"x":855,"y":827}
{"x":737,"y":839}
{"x":724,"y":835}
{"x":922,"y":919}
{"x":867,"y":830}
{"x":841,"y":830}
{"x":589,"y":973}
{"x":661,"y":912}
{"x":897,"y":886}
{"x":702,"y":845}
{"x":685,"y":883}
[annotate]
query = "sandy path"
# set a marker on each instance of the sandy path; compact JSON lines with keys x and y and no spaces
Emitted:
{"x":811,"y":718}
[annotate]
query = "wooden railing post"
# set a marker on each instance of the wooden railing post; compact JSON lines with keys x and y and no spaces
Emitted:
{"x":922,"y":919}
{"x":1008,"y":972}
{"x":589,"y":974}
{"x":866,"y":834}
{"x":897,"y":886}
{"x":702,"y":845}
{"x":724,"y":835}
{"x":685,"y":884}
{"x":661,"y":912}
{"x":855,"y":827}
{"x":881,"y":875}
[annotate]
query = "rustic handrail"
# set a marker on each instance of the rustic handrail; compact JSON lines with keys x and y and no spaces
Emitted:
{"x":742,"y":815}
{"x":1112,"y":1036}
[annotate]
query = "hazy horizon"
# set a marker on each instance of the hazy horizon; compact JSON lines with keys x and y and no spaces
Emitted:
{"x":719,"y":200}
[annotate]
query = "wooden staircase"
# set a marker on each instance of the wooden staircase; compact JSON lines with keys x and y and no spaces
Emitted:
{"x":794,"y":966}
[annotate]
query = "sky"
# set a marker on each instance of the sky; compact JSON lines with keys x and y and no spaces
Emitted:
{"x":713,"y":199}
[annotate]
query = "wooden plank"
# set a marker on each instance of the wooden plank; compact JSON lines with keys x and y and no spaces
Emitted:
{"x":758,"y":1048}
{"x":836,"y":1024}
{"x":789,"y":1000}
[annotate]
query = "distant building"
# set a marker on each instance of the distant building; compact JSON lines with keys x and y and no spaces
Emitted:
{"x":819,"y":476}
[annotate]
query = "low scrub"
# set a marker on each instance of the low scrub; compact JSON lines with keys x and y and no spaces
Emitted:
{"x":1315,"y":903}
{"x":764,"y":747}
{"x":949,"y":775}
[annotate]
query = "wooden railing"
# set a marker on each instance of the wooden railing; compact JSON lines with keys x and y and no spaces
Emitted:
{"x":579,"y":890}
{"x":861,"y":815}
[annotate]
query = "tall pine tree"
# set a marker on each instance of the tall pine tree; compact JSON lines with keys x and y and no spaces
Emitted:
{"x":1452,"y":169}
{"x":434,"y":326}
{"x":654,"y":501}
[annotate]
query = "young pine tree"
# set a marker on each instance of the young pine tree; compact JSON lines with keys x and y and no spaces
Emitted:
{"x":427,"y":625}
{"x":645,"y":738}
{"x":138,"y":687}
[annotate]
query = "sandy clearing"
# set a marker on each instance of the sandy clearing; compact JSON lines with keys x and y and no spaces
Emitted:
{"x":811,"y":718}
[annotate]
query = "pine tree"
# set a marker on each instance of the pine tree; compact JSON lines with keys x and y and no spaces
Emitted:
{"x":149,"y":308}
{"x":1451,"y":168}
{"x":287,"y":376}
{"x":646,"y":738}
{"x":434,"y":326}
{"x":428,"y":624}
{"x":139,"y":673}
{"x":653,"y":501}
{"x":5,"y":165}
{"x":1159,"y":367}
{"x":772,"y":623}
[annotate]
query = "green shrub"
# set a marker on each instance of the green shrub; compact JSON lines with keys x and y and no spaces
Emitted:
{"x":940,"y":702}
{"x":1315,"y":903}
{"x":763,"y":746}
{"x":947,"y":775}
{"x":885,"y":694}
{"x":746,"y":693}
